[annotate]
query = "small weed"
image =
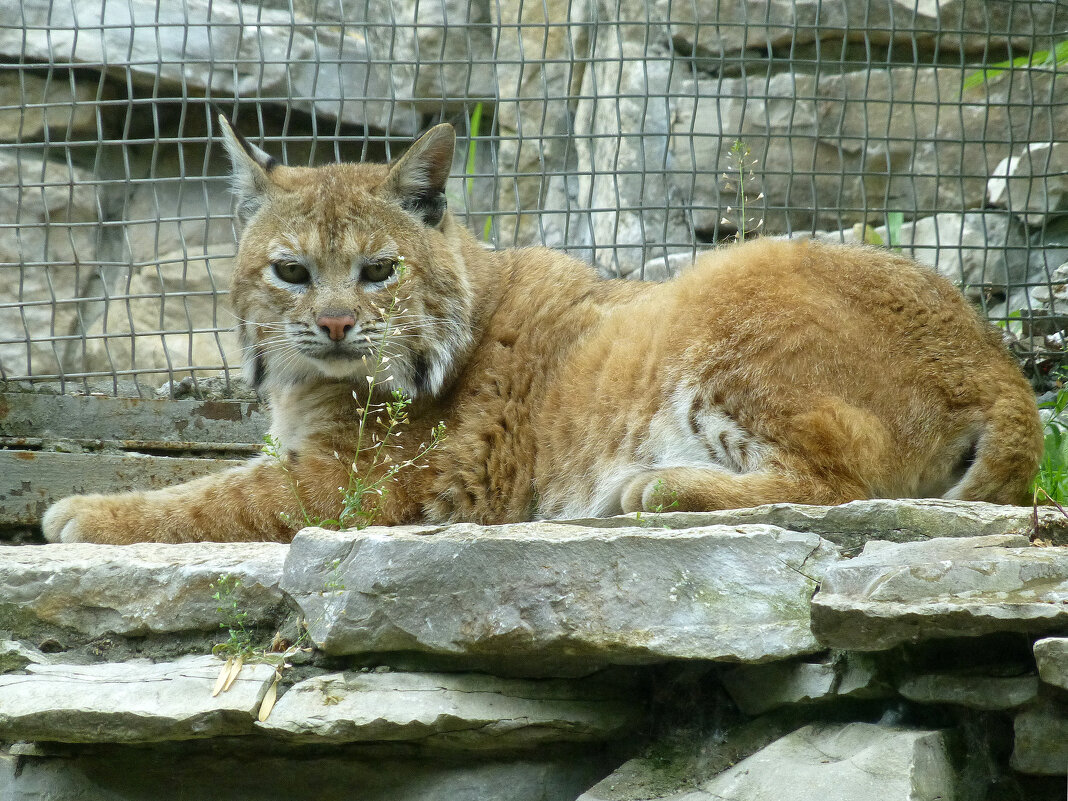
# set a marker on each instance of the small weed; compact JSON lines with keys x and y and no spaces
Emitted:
{"x":233,"y":618}
{"x":1051,"y":60}
{"x":1051,"y":483}
{"x":472,"y":154}
{"x":658,"y":492}
{"x":740,"y":178}
{"x":334,"y":583}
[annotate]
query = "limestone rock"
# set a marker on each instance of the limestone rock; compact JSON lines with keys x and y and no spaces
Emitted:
{"x":975,"y":692}
{"x":178,"y":772}
{"x":840,"y":762}
{"x":729,"y":26}
{"x":759,"y":688}
{"x":128,"y":702}
{"x":55,"y":210}
{"x":1051,"y":654}
{"x":468,"y":711}
{"x":911,"y":154}
{"x":165,"y":317}
{"x":540,"y":64}
{"x":675,"y":765}
{"x":853,"y":524}
{"x":16,"y":656}
{"x":541,"y":598}
{"x":178,"y":44}
{"x":1034,"y":184}
{"x":31,"y":104}
{"x":894,"y":593}
{"x":1041,"y":742}
{"x":136,"y":589}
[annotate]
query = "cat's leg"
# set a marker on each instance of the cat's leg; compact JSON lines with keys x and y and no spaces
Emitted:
{"x":266,"y":499}
{"x":700,"y":489}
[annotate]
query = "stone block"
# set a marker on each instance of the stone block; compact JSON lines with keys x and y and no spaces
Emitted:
{"x":268,"y":52}
{"x":1041,"y":742}
{"x":544,"y":598}
{"x":872,"y":139}
{"x":1033,"y":185}
{"x":712,"y":28}
{"x":166,"y":317}
{"x":129,"y":702}
{"x":138,"y":589}
{"x":760,"y":688}
{"x":1051,"y":655}
{"x":177,"y":772}
{"x":459,"y":711}
{"x":32,"y":103}
{"x":852,"y":524}
{"x":840,"y":762}
{"x":894,"y":593}
{"x":49,"y":252}
{"x":973,"y":691}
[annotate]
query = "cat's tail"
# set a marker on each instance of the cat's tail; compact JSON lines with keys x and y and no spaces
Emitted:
{"x":1005,"y":455}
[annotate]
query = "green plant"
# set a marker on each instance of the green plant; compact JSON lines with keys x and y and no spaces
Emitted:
{"x":233,"y":618}
{"x":470,"y":167}
{"x":658,"y":508}
{"x":1040,"y":59}
{"x":1051,"y":483}
{"x":740,"y":178}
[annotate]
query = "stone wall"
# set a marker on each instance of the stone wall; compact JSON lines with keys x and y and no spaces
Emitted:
{"x":606,"y":128}
{"x":877,"y":650}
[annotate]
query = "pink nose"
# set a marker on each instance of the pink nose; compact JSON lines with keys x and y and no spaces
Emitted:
{"x":335,"y":324}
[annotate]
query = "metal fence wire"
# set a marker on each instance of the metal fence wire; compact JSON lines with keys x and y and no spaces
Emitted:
{"x":629,"y":133}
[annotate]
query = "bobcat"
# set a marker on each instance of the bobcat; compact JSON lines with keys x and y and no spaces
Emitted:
{"x":770,"y":371}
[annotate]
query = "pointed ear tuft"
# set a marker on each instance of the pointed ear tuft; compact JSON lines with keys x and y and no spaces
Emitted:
{"x":418,"y":178}
{"x":250,"y":169}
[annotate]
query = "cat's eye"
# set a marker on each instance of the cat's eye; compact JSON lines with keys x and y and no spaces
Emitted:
{"x":378,"y":270}
{"x":291,"y":272}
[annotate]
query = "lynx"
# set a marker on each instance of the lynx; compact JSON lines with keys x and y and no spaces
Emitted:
{"x":770,"y":371}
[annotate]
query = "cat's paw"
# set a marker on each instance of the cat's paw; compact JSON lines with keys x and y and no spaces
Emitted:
{"x":649,"y":492}
{"x":70,"y":520}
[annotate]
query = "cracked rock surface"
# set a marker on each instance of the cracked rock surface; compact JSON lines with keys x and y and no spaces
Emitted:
{"x":469,"y":711}
{"x":545,"y":598}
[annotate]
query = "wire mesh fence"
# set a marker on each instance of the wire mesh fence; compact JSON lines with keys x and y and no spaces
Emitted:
{"x":632,"y":134}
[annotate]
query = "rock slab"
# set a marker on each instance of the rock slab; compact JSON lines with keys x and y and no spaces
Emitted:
{"x":975,"y":692}
{"x":129,"y":702}
{"x":135,"y":589}
{"x":1051,"y":656}
{"x":895,"y":593}
{"x":544,"y":599}
{"x":469,"y":711}
{"x":840,"y":763}
{"x":1040,"y":745}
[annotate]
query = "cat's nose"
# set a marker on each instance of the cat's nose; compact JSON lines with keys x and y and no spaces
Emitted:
{"x":335,"y":324}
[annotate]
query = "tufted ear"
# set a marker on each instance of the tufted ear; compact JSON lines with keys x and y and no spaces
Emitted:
{"x":417,"y":179}
{"x":250,"y":169}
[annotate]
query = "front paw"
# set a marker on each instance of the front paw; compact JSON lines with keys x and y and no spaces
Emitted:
{"x":649,"y":492}
{"x":60,"y":522}
{"x":87,"y":518}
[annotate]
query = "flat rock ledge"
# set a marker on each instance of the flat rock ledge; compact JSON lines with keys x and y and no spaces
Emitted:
{"x":134,"y":590}
{"x":545,"y":598}
{"x":742,"y":655}
{"x":462,"y":711}
{"x":898,"y":593}
{"x":129,"y":702}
